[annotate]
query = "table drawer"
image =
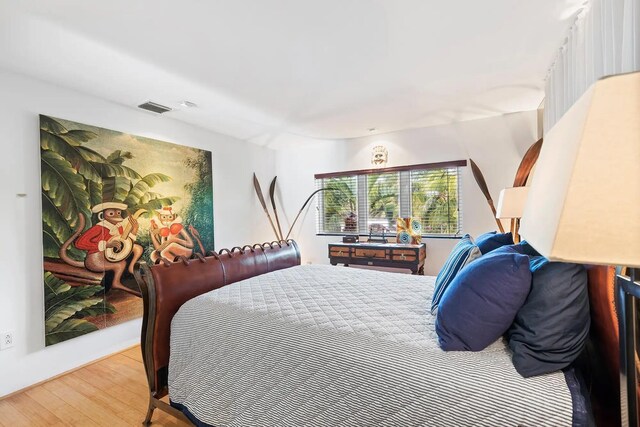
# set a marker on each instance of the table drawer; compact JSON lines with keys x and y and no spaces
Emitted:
{"x":370,"y":253}
{"x":404,"y":255}
{"x":339,"y":252}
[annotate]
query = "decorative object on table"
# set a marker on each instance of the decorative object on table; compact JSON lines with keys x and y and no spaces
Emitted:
{"x":105,"y":205}
{"x":511,"y":205}
{"x":272,"y":196}
{"x":258,"y":188}
{"x":379,"y":156}
{"x":350,"y":239}
{"x":524,"y":170}
{"x":377,"y":234}
{"x":408,"y":231}
{"x":584,"y":202}
{"x":477,"y":174}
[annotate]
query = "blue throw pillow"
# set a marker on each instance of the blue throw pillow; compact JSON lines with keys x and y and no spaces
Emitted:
{"x":483,"y":300}
{"x":536,"y":261}
{"x":487,"y":242}
{"x":461,"y":255}
{"x":527,"y":249}
{"x":551,"y":328}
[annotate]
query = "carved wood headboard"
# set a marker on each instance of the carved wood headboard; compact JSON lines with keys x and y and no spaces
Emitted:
{"x":602,"y":355}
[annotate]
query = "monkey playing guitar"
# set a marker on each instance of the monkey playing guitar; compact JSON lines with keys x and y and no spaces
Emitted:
{"x":119,"y":247}
{"x":108,"y":244}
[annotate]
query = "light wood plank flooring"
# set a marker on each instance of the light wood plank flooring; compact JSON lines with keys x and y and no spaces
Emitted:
{"x":111,"y":392}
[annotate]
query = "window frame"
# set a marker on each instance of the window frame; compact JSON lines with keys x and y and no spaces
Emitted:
{"x":404,"y":200}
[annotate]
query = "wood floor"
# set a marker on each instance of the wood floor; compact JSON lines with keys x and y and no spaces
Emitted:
{"x":111,"y":392}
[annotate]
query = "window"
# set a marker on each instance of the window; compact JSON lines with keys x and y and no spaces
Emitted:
{"x":359,"y":202}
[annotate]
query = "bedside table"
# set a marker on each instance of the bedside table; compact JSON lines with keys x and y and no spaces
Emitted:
{"x":394,"y":255}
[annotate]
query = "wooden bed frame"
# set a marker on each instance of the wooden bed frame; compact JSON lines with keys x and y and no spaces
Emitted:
{"x":168,"y":285}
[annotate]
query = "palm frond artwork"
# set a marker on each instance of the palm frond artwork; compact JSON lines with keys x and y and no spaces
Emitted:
{"x":66,"y":308}
{"x":89,"y":173}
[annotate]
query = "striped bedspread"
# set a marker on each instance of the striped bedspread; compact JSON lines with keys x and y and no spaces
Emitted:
{"x":332,"y":346}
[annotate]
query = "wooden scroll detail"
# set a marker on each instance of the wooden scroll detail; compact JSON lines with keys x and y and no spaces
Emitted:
{"x":602,"y":355}
{"x":167,"y":285}
{"x":527,"y":163}
{"x":522,"y":174}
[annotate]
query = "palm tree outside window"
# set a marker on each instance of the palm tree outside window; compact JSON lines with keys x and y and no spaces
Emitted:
{"x":360,"y":202}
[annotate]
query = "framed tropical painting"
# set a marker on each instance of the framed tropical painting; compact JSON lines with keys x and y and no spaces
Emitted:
{"x":110,"y":199}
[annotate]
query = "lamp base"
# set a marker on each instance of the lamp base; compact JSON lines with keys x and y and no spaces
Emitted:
{"x":515,"y":230}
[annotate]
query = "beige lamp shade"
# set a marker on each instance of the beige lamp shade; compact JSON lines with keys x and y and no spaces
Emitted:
{"x":584,"y":202}
{"x":511,"y":202}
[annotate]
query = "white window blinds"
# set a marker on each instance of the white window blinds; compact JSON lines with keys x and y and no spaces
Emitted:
{"x":360,"y":202}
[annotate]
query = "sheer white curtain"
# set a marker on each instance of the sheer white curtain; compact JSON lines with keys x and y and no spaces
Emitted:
{"x":604,"y":40}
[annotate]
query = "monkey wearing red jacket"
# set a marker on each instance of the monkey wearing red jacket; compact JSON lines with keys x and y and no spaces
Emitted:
{"x":97,"y":239}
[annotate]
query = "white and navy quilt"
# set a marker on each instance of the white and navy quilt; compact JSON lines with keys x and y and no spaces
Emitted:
{"x":332,"y":346}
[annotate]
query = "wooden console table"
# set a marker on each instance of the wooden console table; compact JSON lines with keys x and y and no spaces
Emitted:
{"x":394,"y":255}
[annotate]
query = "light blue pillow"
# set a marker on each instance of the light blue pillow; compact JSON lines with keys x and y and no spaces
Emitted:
{"x":461,"y":255}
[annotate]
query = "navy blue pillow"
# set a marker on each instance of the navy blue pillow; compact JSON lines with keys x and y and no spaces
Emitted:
{"x":551,"y":328}
{"x":536,"y":261}
{"x":462,"y":254}
{"x":482,"y":301}
{"x":527,"y":249}
{"x":487,"y":242}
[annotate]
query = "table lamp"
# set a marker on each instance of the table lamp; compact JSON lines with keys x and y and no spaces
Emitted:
{"x":511,"y":206}
{"x":583,"y":205}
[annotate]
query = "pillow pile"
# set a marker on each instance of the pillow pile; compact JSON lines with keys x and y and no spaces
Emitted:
{"x":482,"y":300}
{"x":461,"y":255}
{"x":489,"y":241}
{"x":542,"y":306}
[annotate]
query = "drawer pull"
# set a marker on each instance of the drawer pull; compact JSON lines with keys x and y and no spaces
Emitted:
{"x":402,"y":257}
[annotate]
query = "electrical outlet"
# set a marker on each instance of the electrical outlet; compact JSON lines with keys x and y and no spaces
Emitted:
{"x":6,"y":340}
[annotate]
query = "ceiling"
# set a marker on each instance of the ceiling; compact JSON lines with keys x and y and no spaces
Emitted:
{"x":268,"y":71}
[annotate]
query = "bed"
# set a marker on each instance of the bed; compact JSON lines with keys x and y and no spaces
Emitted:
{"x":249,"y":337}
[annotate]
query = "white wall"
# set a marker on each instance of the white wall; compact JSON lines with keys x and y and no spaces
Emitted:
{"x":496,"y":144}
{"x":21,"y":288}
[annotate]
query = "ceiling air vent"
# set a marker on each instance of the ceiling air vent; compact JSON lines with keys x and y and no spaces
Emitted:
{"x":154,"y":108}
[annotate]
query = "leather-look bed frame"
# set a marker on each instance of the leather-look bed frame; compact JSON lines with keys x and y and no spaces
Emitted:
{"x":167,"y":285}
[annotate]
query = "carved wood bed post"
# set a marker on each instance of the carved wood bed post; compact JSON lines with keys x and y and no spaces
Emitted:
{"x":167,"y":285}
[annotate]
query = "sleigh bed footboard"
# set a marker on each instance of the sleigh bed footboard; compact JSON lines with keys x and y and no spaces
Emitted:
{"x":167,"y":285}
